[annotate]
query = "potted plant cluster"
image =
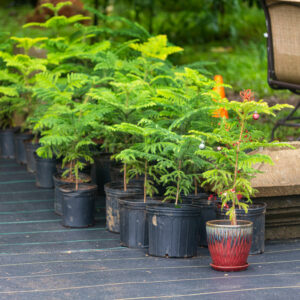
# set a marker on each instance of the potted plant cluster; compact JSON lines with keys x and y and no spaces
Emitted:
{"x":163,"y":123}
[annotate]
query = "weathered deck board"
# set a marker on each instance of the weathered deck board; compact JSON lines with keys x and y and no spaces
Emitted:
{"x":40,"y":259}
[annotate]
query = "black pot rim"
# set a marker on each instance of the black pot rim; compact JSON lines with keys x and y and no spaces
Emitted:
{"x":70,"y":188}
{"x":30,"y":145}
{"x":136,"y":202}
{"x":43,"y":159}
{"x":169,"y":209}
{"x":24,"y":136}
{"x":103,"y":154}
{"x":227,"y":224}
{"x":7,"y":130}
{"x":203,"y":203}
{"x":199,"y":196}
{"x":252,"y":211}
{"x":116,"y":188}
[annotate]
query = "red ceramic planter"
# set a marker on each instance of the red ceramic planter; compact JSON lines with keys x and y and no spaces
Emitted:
{"x":229,"y":245}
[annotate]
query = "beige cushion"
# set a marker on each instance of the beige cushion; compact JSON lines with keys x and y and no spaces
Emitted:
{"x":285,"y":25}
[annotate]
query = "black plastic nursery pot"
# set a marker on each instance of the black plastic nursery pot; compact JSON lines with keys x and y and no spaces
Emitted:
{"x":229,"y":245}
{"x":101,"y":171}
{"x":30,"y":149}
{"x":173,"y":231}
{"x":114,"y":192}
{"x":207,"y":213}
{"x":58,"y":195}
{"x":134,"y":221}
{"x":7,"y":143}
{"x":20,"y":150}
{"x":45,"y":169}
{"x":78,"y":205}
{"x":256,"y":214}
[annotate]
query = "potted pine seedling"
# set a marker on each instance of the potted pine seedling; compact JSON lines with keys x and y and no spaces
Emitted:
{"x":229,"y":174}
{"x":67,"y":131}
{"x":189,"y":104}
{"x":141,"y":159}
{"x":126,"y":104}
{"x":8,"y":98}
{"x":27,"y":68}
{"x":70,"y":136}
{"x":173,"y":226}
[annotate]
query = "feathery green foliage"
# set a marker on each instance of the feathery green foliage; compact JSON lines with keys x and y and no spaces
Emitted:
{"x":69,"y":124}
{"x":231,"y":167}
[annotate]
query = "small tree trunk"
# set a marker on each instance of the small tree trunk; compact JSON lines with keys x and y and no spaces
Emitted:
{"x":178,"y":185}
{"x":76,"y":176}
{"x":70,"y":170}
{"x":196,"y":186}
{"x":234,"y":221}
{"x":145,"y":182}
{"x":234,"y":199}
{"x":125,"y":176}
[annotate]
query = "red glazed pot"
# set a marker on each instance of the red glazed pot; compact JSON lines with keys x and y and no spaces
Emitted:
{"x":229,"y":245}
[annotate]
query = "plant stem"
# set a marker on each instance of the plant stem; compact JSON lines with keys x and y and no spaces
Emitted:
{"x":233,"y":221}
{"x":76,"y":177}
{"x":71,"y":167}
{"x":178,"y":184}
{"x":145,"y":181}
{"x":125,"y":183}
{"x":196,"y":186}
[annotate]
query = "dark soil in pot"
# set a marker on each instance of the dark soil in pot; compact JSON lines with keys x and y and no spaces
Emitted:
{"x":20,"y":151}
{"x":134,"y":221}
{"x":78,"y":205}
{"x":7,"y":143}
{"x":173,"y":232}
{"x":256,"y":214}
{"x":58,"y":196}
{"x":229,"y":245}
{"x":30,"y":149}
{"x":114,"y":191}
{"x":45,"y":169}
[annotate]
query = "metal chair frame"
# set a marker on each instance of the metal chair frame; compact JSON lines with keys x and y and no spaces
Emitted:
{"x":272,"y":80}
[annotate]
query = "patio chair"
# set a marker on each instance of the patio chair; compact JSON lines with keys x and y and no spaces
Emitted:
{"x":283,"y":26}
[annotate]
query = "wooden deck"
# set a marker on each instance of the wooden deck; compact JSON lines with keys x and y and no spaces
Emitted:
{"x":40,"y":259}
